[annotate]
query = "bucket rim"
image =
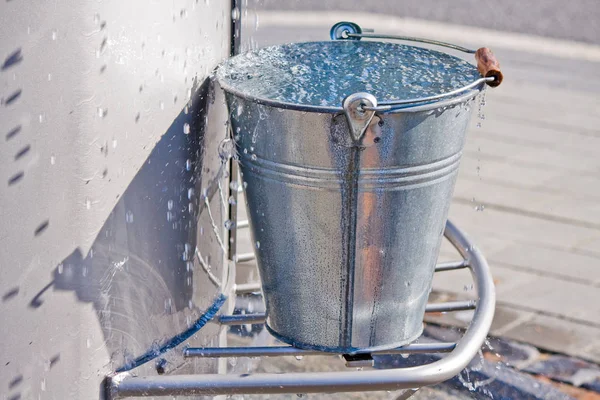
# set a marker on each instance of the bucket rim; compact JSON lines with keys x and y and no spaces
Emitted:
{"x":415,"y":107}
{"x":453,"y":97}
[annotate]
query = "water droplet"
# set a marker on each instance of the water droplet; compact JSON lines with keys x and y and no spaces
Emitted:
{"x":52,"y":159}
{"x":49,"y":77}
{"x":229,"y":224}
{"x":235,"y":14}
{"x":88,"y":343}
{"x":188,"y":165}
{"x":186,"y":128}
{"x":43,"y":384}
{"x":102,"y":112}
{"x":232,"y":200}
{"x":60,"y":268}
{"x":114,"y":143}
{"x":161,"y":105}
{"x":169,"y":216}
{"x":253,"y":157}
{"x":129,"y":217}
{"x":190,"y":193}
{"x":54,"y":35}
{"x":170,"y":205}
{"x":225,"y":149}
{"x":257,"y":244}
{"x":299,"y":358}
{"x":88,"y":203}
{"x":234,"y":185}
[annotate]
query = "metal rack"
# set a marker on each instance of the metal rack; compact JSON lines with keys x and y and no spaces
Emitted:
{"x":458,"y":355}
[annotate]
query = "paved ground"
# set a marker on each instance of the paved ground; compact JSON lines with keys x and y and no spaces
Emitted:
{"x":529,"y":186}
{"x":576,"y":20}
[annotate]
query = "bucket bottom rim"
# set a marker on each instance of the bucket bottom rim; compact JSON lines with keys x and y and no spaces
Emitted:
{"x":342,"y":350}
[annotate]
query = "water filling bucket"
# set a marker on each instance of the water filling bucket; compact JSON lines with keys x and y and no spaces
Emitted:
{"x":349,"y":151}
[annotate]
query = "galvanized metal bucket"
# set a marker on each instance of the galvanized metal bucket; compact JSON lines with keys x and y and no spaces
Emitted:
{"x":349,"y":152}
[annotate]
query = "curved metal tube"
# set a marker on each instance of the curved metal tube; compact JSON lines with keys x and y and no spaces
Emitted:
{"x":274,"y":351}
{"x":260,"y":318}
{"x":396,"y":105}
{"x":121,"y":386}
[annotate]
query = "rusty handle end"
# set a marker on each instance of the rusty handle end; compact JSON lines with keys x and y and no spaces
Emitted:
{"x":488,"y":65}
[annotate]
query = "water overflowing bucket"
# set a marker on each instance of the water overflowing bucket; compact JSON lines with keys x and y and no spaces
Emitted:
{"x":349,"y":151}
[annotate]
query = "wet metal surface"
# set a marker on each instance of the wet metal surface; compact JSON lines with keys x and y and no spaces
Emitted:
{"x":346,"y":233}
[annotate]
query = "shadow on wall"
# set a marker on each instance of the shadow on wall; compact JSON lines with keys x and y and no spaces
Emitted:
{"x":137,"y":270}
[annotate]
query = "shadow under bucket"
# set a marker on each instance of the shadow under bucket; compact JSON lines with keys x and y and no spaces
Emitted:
{"x":348,"y":182}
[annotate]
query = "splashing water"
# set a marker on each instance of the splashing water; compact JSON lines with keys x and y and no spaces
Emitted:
{"x":324,"y":73}
{"x":482,"y":103}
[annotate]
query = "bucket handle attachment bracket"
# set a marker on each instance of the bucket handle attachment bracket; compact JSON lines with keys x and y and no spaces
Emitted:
{"x":359,"y":109}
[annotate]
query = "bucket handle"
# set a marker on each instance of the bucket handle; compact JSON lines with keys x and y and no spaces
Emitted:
{"x":487,"y":63}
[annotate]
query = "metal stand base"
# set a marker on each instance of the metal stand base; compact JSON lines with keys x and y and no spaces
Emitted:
{"x":459,"y":354}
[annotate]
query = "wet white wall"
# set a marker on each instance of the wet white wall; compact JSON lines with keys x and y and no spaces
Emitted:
{"x":105,"y":153}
